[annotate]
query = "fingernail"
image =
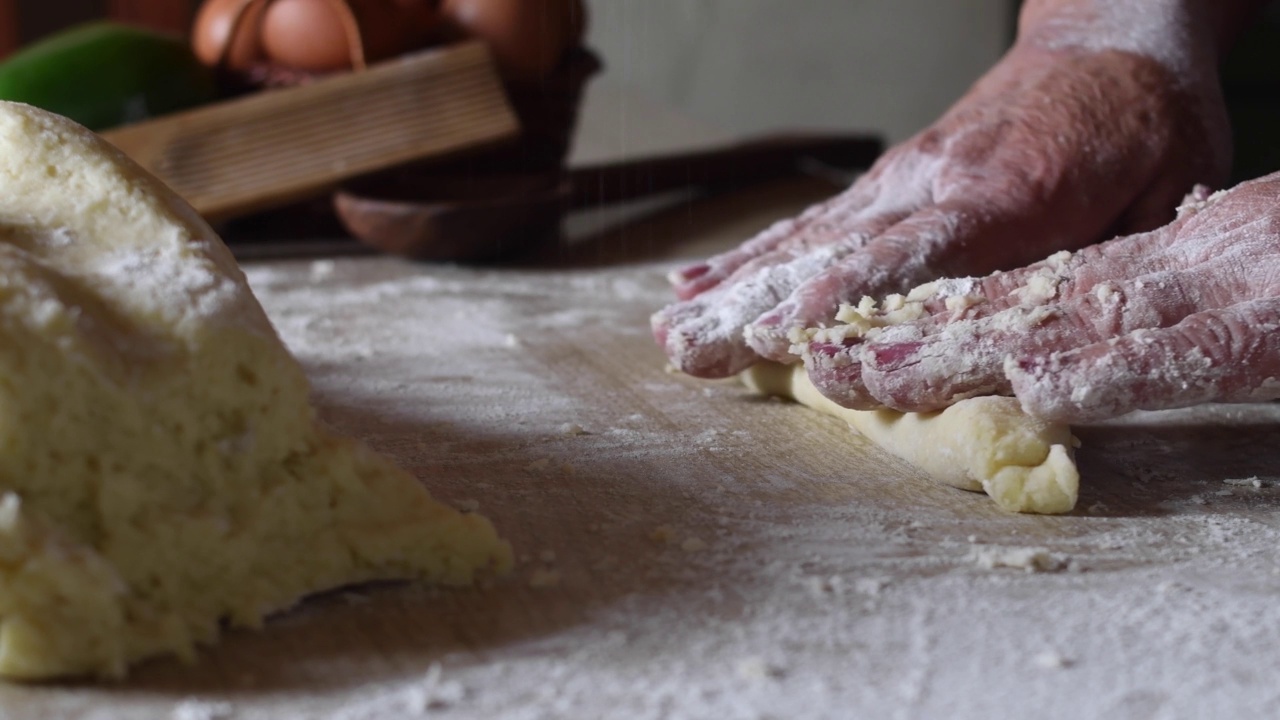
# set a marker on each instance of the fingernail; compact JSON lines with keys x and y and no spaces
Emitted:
{"x":689,"y":273}
{"x":660,"y":325}
{"x":893,"y":356}
{"x":841,"y":382}
{"x":1030,"y":366}
{"x":660,"y":334}
{"x":771,"y":319}
{"x":824,"y":349}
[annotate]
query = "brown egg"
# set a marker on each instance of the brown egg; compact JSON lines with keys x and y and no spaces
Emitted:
{"x":306,"y":35}
{"x":317,"y":35}
{"x":528,"y":37}
{"x":213,"y":29}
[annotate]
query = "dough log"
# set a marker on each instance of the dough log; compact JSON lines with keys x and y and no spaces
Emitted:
{"x":984,"y":443}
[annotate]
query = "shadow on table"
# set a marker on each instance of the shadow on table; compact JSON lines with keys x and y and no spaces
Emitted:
{"x":600,"y":516}
{"x":1193,"y":460}
{"x":681,"y":226}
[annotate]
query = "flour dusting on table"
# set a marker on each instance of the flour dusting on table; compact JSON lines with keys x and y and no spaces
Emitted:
{"x":710,"y":555}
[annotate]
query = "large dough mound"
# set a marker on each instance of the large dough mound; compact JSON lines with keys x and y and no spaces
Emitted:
{"x":161,"y":468}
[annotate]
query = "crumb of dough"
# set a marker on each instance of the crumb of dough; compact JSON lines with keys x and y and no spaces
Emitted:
{"x":1030,"y":559}
{"x":868,"y":317}
{"x":572,"y":429}
{"x":1051,"y":660}
{"x":664,"y":534}
{"x":194,"y":709}
{"x":1253,"y":482}
{"x":1042,"y":286}
{"x":757,"y":668}
{"x":543,"y":578}
{"x":435,"y":693}
{"x":823,"y":587}
{"x":512,"y":341}
{"x":322,"y":270}
{"x":870,"y":586}
{"x":693,"y":545}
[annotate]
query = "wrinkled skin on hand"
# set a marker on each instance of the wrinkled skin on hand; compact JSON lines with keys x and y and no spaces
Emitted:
{"x":1185,"y":314}
{"x":1057,"y":147}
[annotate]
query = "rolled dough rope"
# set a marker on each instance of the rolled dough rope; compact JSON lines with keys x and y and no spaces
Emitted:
{"x":984,"y":443}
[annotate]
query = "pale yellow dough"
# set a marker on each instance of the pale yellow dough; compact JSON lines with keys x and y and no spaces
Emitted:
{"x":984,"y":443}
{"x":161,"y":468}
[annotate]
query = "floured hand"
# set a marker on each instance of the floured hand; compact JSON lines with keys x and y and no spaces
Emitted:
{"x":1185,"y":314}
{"x":1081,"y":132}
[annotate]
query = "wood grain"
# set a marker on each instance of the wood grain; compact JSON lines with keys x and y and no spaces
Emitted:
{"x":267,"y":149}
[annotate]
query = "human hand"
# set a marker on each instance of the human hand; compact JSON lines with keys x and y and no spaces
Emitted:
{"x":1185,"y":314}
{"x":1069,"y":140}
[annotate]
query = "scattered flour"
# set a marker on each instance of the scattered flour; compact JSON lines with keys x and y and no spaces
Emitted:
{"x":1032,"y":560}
{"x":572,"y":429}
{"x":1051,"y":660}
{"x":885,"y":617}
{"x":193,"y":709}
{"x":322,"y":270}
{"x":693,"y":545}
{"x":1254,"y":482}
{"x":664,"y":534}
{"x":544,"y":578}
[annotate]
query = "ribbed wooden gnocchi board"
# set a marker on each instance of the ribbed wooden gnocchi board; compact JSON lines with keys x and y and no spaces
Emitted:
{"x":689,"y":551}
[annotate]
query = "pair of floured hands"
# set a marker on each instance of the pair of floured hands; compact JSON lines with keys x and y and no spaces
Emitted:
{"x":1062,"y":145}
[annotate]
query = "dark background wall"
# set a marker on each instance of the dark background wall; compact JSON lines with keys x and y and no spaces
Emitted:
{"x":22,"y":21}
{"x":890,"y":66}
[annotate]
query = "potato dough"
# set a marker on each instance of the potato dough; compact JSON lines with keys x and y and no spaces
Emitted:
{"x":161,"y":468}
{"x":984,"y":443}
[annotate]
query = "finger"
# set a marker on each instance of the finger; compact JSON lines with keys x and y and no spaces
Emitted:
{"x":892,"y":189}
{"x":897,"y":260}
{"x":1060,"y":277}
{"x":1160,"y":204}
{"x":692,"y":280}
{"x":819,"y":222}
{"x":834,"y":365}
{"x":966,"y":358}
{"x":1229,"y":354}
{"x":703,"y":336}
{"x":909,"y":253}
{"x":835,"y":362}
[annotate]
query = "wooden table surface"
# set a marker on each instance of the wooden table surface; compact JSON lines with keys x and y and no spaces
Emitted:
{"x":688,"y":551}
